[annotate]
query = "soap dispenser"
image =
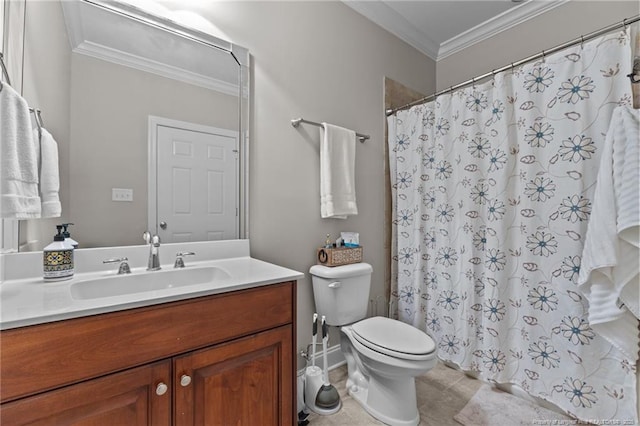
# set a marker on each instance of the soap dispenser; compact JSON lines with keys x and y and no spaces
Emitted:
{"x":67,"y":236}
{"x":58,"y":259}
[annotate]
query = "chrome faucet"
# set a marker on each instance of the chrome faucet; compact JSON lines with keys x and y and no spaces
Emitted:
{"x":154,"y":251}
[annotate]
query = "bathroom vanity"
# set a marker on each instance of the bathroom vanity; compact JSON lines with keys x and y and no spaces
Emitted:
{"x":216,"y":354}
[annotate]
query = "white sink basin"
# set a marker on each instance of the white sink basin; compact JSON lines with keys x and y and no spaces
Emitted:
{"x":148,"y":281}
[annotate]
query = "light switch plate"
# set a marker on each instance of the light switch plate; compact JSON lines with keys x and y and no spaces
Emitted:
{"x":121,"y":194}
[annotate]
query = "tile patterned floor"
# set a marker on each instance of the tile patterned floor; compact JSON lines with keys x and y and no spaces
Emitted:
{"x":441,"y":393}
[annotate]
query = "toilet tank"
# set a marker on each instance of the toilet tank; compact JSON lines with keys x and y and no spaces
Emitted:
{"x":342,"y":292}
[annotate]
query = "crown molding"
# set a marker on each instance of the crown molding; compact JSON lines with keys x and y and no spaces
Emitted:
{"x":383,"y":15}
{"x":80,"y":44}
{"x":506,"y":20}
{"x":147,"y":65}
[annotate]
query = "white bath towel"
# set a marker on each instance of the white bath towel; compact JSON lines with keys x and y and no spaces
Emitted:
{"x":49,"y":174}
{"x":19,"y":197}
{"x":337,"y":172}
{"x":610,"y":259}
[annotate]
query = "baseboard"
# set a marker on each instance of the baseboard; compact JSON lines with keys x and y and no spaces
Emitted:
{"x":335,"y":359}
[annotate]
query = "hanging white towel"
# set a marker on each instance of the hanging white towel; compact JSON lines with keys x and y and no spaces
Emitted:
{"x":337,"y":172}
{"x":19,"y":197}
{"x":610,"y":259}
{"x":49,"y":174}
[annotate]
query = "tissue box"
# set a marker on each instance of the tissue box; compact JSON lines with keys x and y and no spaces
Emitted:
{"x":339,"y":256}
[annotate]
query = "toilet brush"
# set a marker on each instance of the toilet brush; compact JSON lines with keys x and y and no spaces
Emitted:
{"x":328,"y":397}
{"x":313,"y":374}
{"x":313,"y":339}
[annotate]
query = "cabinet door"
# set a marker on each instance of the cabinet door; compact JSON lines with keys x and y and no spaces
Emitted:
{"x":247,"y":381}
{"x":127,"y":398}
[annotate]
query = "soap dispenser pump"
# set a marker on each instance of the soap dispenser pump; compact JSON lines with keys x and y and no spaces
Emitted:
{"x":67,"y":236}
{"x":58,"y":259}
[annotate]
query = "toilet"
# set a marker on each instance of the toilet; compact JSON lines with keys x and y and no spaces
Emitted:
{"x":383,"y":355}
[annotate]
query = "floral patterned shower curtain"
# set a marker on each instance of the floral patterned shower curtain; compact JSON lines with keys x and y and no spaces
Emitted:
{"x":492,"y":190}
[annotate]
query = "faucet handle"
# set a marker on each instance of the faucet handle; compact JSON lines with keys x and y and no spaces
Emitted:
{"x":179,"y":261}
{"x":151,"y":239}
{"x":124,"y":266}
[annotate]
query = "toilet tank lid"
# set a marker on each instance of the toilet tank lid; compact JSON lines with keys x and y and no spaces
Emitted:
{"x":344,"y":271}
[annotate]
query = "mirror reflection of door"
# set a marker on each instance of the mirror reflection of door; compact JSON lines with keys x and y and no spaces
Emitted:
{"x":196,"y":182}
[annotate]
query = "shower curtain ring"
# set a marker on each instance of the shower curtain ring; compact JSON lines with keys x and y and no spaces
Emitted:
{"x":581,"y":42}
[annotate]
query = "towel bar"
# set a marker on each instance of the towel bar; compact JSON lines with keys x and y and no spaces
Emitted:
{"x":296,"y":122}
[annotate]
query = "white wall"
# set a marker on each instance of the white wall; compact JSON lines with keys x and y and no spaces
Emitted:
{"x":324,"y":62}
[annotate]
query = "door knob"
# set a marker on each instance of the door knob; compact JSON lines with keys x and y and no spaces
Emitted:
{"x":185,"y":380}
{"x":161,"y":389}
{"x":163,"y":225}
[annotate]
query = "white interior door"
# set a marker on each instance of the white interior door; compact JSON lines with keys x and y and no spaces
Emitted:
{"x":196,"y":183}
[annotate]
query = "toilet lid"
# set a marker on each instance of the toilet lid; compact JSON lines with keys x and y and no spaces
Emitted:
{"x":392,"y":337}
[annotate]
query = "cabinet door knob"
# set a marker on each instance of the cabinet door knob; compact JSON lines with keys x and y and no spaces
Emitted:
{"x":161,"y":389}
{"x":185,"y":380}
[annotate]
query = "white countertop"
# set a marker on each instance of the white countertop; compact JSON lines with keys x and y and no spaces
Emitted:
{"x":31,"y":300}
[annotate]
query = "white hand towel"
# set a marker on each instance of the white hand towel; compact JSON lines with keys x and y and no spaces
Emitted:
{"x":337,"y":172}
{"x":610,"y":259}
{"x":19,"y":197}
{"x":49,"y":175}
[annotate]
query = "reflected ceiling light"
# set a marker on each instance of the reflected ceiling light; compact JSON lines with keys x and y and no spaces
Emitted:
{"x":194,"y":20}
{"x":187,"y":17}
{"x":150,"y":6}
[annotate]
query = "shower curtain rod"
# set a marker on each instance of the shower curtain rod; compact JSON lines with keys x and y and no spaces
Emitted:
{"x":623,"y":24}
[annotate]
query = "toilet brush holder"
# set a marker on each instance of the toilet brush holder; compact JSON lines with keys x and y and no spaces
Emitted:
{"x":312,"y":384}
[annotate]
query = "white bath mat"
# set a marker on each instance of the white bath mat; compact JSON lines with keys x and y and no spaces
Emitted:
{"x":490,"y":406}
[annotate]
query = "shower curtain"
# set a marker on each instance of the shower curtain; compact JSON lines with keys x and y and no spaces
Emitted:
{"x":492,"y":189}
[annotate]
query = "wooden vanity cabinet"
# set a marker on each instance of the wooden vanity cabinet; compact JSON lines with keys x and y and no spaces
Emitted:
{"x":216,"y":360}
{"x":125,"y":398}
{"x":239,"y":383}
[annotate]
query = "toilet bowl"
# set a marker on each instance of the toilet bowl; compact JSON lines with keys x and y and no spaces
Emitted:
{"x":381,"y":378}
{"x":383,"y":355}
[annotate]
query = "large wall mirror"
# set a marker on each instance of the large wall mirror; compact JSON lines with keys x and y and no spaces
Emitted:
{"x":150,"y":116}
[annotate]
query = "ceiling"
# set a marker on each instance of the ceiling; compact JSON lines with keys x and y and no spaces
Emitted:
{"x":440,"y":28}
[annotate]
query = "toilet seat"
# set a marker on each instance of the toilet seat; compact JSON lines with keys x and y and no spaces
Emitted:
{"x":394,"y":338}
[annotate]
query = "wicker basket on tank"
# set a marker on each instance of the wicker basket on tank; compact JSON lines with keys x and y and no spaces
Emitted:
{"x":337,"y":256}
